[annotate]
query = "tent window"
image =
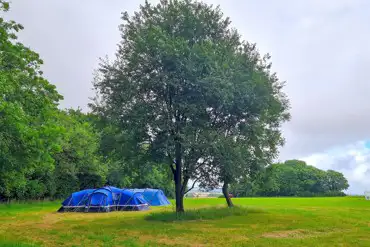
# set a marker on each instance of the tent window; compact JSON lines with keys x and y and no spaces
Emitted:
{"x":141,"y":200}
{"x":96,"y":199}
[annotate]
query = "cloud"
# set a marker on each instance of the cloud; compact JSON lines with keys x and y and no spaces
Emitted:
{"x":319,"y":47}
{"x":71,"y":36}
{"x":352,"y":160}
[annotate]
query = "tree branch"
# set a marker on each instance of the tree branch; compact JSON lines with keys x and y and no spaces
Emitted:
{"x":184,"y":182}
{"x":199,"y":165}
{"x":171,"y":162}
{"x":192,"y":187}
{"x":172,"y":169}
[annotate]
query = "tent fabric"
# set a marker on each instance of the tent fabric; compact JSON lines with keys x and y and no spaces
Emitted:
{"x":77,"y":198}
{"x":104,"y":199}
{"x":154,"y":197}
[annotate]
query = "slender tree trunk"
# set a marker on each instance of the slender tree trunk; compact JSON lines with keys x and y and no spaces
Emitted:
{"x":225,"y":191}
{"x":178,"y":180}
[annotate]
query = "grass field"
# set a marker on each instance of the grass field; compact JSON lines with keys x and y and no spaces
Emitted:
{"x":255,"y":222}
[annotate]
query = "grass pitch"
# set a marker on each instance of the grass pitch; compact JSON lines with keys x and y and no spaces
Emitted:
{"x":274,"y":222}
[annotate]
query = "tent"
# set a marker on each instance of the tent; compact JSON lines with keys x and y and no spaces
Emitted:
{"x":104,"y":199}
{"x":153,"y":196}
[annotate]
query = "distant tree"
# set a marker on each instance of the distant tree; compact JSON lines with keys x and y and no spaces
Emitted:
{"x":335,"y":181}
{"x":293,"y":178}
{"x":181,"y":74}
{"x":245,"y":187}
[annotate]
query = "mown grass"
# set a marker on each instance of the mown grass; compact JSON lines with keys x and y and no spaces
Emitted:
{"x":211,"y":213}
{"x":254,"y":222}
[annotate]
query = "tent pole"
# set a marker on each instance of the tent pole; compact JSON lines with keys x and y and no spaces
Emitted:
{"x":119,"y":199}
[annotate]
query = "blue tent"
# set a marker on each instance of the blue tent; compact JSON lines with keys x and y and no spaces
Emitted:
{"x":104,"y":199}
{"x":153,"y":196}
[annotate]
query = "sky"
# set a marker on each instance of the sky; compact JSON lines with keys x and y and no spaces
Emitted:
{"x":320,"y":48}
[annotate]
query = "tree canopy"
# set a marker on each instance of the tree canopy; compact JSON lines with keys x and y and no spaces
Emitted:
{"x":181,"y":78}
{"x":292,"y":178}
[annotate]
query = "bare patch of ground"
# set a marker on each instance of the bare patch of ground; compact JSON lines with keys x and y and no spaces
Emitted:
{"x":285,"y":234}
{"x":298,"y":233}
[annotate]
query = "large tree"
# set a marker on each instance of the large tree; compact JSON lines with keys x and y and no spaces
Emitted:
{"x":182,"y":77}
{"x":27,"y":100}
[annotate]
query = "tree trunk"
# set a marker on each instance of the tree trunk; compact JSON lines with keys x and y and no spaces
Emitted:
{"x":178,"y":180}
{"x":225,"y":191}
{"x":178,"y":191}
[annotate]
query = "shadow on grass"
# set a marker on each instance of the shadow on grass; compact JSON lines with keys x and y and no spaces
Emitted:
{"x":16,"y":244}
{"x":212,"y":213}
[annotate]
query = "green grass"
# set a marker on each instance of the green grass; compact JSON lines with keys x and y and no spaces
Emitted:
{"x":210,"y":213}
{"x":254,"y":222}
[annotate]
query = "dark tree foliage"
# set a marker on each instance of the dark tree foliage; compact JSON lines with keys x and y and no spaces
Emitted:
{"x":129,"y":165}
{"x":292,"y":178}
{"x":78,"y":164}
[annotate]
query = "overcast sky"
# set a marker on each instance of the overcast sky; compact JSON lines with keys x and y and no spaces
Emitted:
{"x":321,"y":48}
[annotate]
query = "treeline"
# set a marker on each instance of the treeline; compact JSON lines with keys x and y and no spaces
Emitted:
{"x":46,"y":152}
{"x":292,"y":178}
{"x":72,"y":152}
{"x":185,"y":101}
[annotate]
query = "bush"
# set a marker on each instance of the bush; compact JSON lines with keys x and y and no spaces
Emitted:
{"x":89,"y":180}
{"x":35,"y":189}
{"x":323,"y":194}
